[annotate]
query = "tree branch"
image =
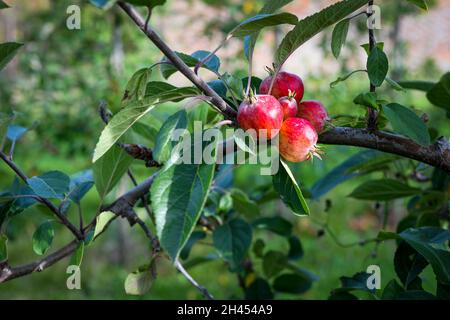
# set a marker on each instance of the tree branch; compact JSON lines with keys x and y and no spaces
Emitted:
{"x":216,"y":100}
{"x":77,"y":233}
{"x":437,"y":155}
{"x":7,"y":273}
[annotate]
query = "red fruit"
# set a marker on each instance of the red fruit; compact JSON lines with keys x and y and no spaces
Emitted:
{"x":289,"y":105}
{"x":298,"y":140}
{"x":284,"y":82}
{"x":314,"y":112}
{"x":261,"y":112}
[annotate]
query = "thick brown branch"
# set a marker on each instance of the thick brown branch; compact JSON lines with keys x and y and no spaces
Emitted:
{"x":437,"y":155}
{"x":44,"y":201}
{"x":216,"y":100}
{"x":7,"y":273}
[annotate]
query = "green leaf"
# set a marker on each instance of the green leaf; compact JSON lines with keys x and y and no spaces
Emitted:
{"x":195,"y":236}
{"x":258,"y":248}
{"x":3,"y":5}
{"x":178,"y":196}
{"x":277,"y":225}
{"x":419,"y":3}
{"x":15,"y":132}
{"x":77,"y":257}
{"x":443,"y":291}
{"x":439,"y":94}
{"x":52,"y":184}
{"x":164,"y":144}
{"x":377,"y":66}
{"x":109,"y":169}
{"x":429,"y":242}
{"x":259,"y":290}
{"x":417,"y":85}
{"x":269,"y":7}
{"x":103,"y":4}
{"x":243,"y":204}
{"x":368,"y":99}
{"x":394,"y":84}
{"x":234,"y":85}
{"x":147,"y":3}
{"x":312,"y":25}
{"x":80,"y":184}
{"x":240,"y":139}
{"x":407,"y":123}
{"x":260,"y":21}
{"x":7,"y":52}
{"x":232,"y":240}
{"x":392,"y":290}
{"x":3,"y":248}
{"x":357,"y":282}
{"x":352,"y":167}
{"x":339,"y":36}
{"x":102,"y":221}
{"x":273,"y":263}
{"x":295,"y":248}
{"x":289,"y":191}
{"x":43,"y":238}
{"x":366,"y":47}
{"x":383,"y":190}
{"x":292,"y":283}
{"x":134,"y":111}
{"x":139,"y":282}
{"x":213,"y":63}
{"x":225,"y":203}
{"x":408,"y":265}
{"x":137,"y":85}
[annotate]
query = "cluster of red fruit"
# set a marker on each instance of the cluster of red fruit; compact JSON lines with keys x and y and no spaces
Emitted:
{"x":298,"y":123}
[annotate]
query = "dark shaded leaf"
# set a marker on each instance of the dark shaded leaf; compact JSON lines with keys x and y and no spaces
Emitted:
{"x":164,"y":144}
{"x":277,"y":225}
{"x":406,"y":122}
{"x":287,"y":187}
{"x":7,"y":52}
{"x":52,"y":184}
{"x":339,"y":36}
{"x":292,"y":283}
{"x":43,"y":238}
{"x":377,"y":66}
{"x":383,"y":190}
{"x":232,"y":240}
{"x":195,"y":236}
{"x":259,"y":290}
{"x":312,"y":25}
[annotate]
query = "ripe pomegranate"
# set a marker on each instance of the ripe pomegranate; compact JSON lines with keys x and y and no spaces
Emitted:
{"x":261,"y":112}
{"x":298,"y":140}
{"x":289,"y":105}
{"x":284,"y":82}
{"x":314,"y":112}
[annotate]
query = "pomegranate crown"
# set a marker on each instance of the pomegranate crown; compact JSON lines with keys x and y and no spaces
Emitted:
{"x":251,"y":97}
{"x":291,"y":94}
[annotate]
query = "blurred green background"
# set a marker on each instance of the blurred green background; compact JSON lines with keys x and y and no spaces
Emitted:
{"x":60,"y":76}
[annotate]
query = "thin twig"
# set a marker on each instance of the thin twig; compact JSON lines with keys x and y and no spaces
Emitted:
{"x":229,"y":112}
{"x":44,"y":201}
{"x":200,"y":288}
{"x":143,"y":198}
